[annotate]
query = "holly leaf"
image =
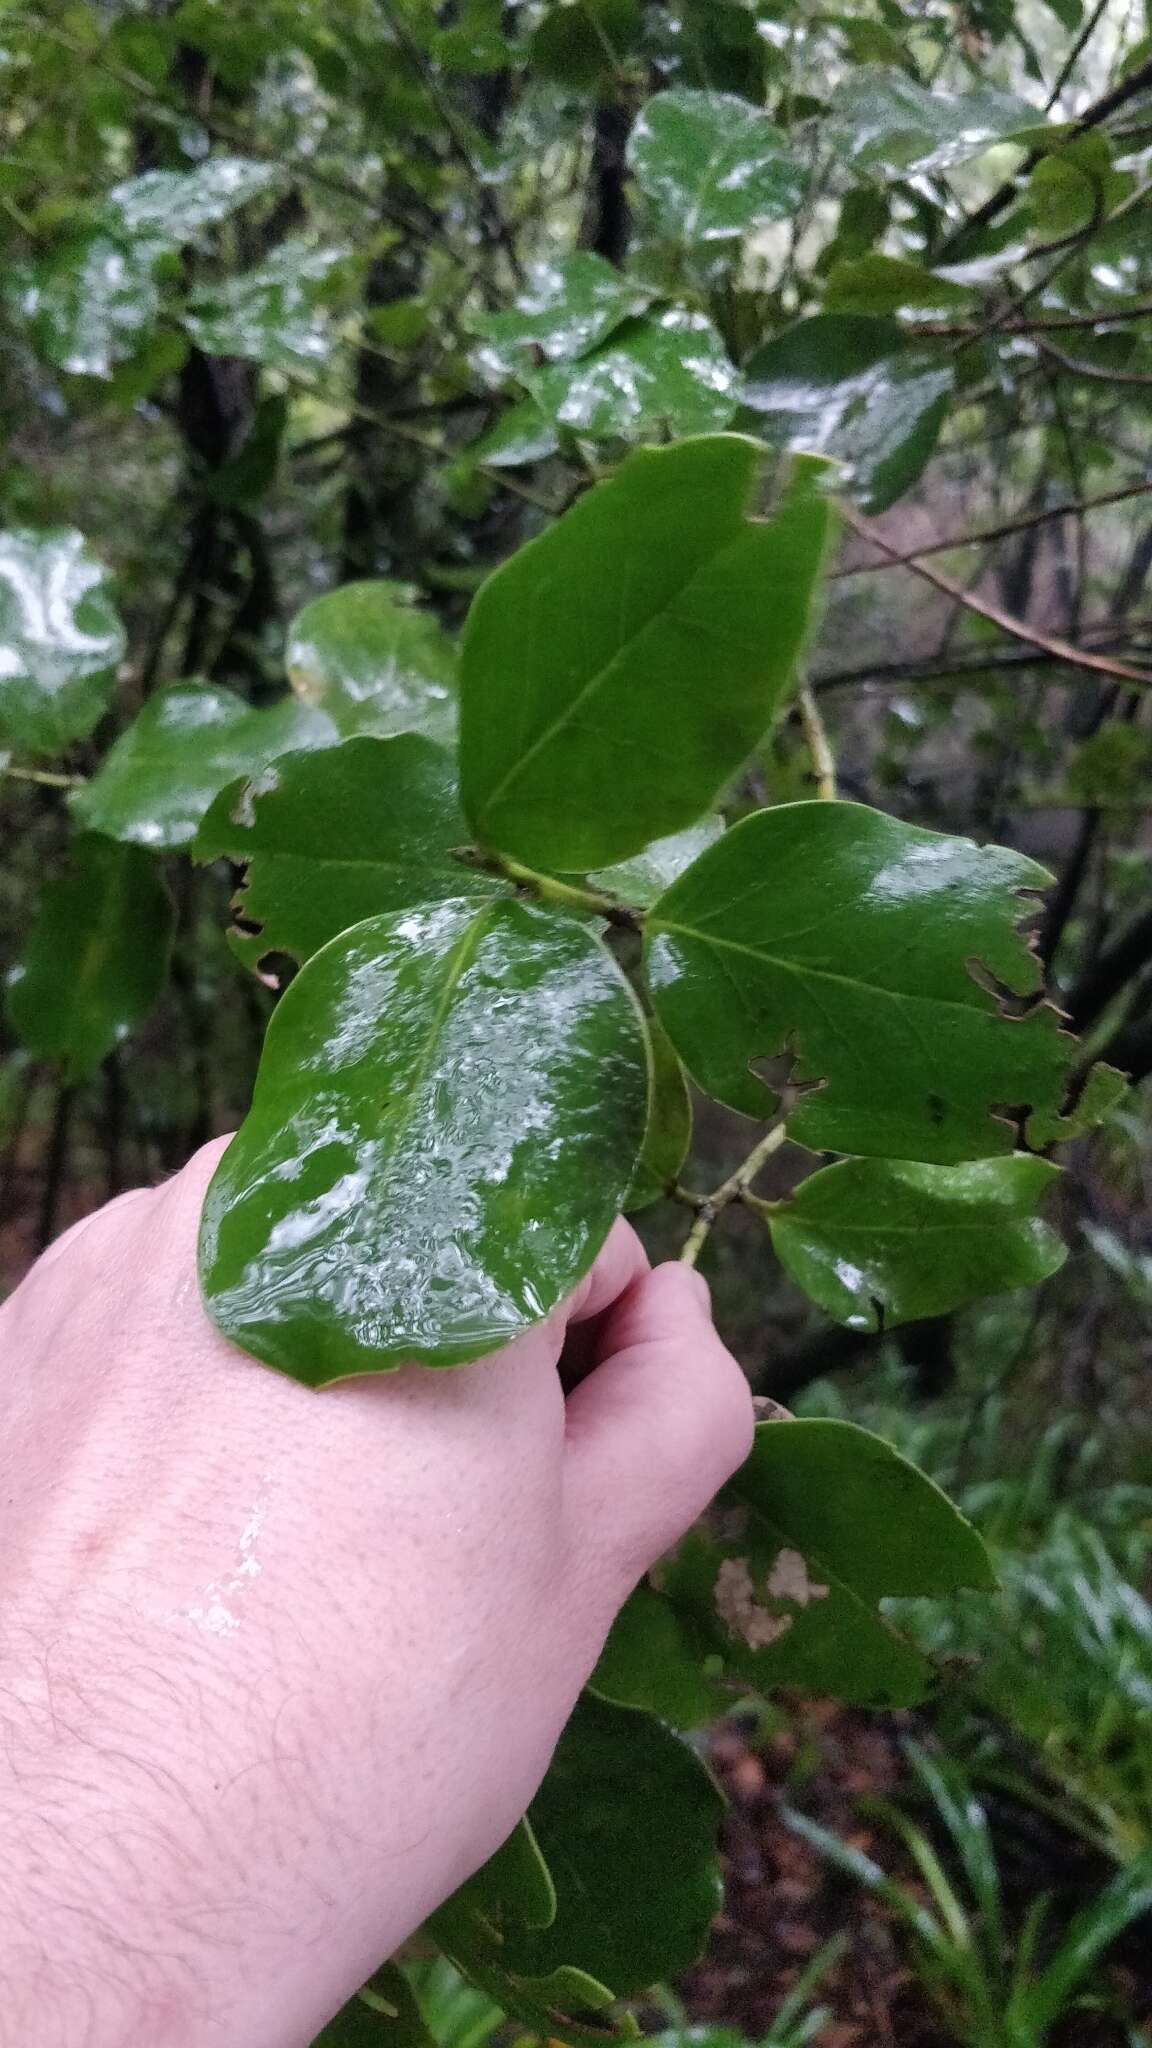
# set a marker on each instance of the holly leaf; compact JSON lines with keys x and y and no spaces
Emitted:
{"x":271,"y":314}
{"x":515,"y":1880}
{"x":91,"y":303}
{"x":886,"y":120}
{"x":373,"y":662}
{"x":567,"y":2005}
{"x":885,"y":960}
{"x":445,"y":1123}
{"x":626,"y":1819}
{"x":568,"y":305}
{"x":520,"y":435}
{"x":169,"y":208}
{"x":332,"y":838}
{"x":655,"y":1659}
{"x":60,"y":640}
{"x":822,"y":1524}
{"x":883,"y":1241}
{"x":712,"y":168}
{"x":668,"y":1132}
{"x":96,"y":959}
{"x":853,"y":389}
{"x":159,"y":778}
{"x":883,"y":285}
{"x":1103,"y":1090}
{"x":664,"y":376}
{"x":618,"y":669}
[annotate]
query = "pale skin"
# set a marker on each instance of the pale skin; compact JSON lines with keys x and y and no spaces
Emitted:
{"x":279,"y":1668}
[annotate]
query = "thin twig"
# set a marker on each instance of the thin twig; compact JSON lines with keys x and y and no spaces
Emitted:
{"x":818,"y":743}
{"x":1076,"y":52}
{"x":46,"y":777}
{"x":732,"y":1189}
{"x":1016,"y":629}
{"x":1096,"y":371}
{"x":1070,"y":509}
{"x":947,"y":330}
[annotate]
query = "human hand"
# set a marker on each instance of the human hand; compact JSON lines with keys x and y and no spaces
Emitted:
{"x":279,"y":1668}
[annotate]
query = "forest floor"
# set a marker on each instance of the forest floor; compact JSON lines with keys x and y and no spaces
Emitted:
{"x":783,"y":1902}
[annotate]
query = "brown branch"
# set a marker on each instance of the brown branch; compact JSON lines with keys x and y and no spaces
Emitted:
{"x":1016,"y":629}
{"x":1071,"y":509}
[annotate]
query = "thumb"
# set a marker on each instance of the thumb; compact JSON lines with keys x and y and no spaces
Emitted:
{"x":659,"y":1425}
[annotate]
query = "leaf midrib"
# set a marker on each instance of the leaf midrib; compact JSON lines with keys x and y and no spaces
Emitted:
{"x":763,"y":958}
{"x":600,"y":676}
{"x":457,"y":963}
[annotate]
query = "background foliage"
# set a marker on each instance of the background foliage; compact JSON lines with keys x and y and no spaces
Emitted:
{"x":294,"y":298}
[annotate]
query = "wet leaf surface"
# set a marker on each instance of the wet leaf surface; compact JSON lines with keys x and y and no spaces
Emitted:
{"x":853,"y":388}
{"x":445,"y":1122}
{"x":60,"y":640}
{"x":845,"y":939}
{"x":374,"y":662}
{"x":652,"y":380}
{"x":159,"y":778}
{"x":883,"y":1241}
{"x":711,"y":167}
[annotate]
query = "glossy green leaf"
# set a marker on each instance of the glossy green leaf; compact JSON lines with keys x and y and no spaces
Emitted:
{"x":653,"y":379}
{"x":566,"y":2005}
{"x":655,"y":1659}
{"x":854,"y":389}
{"x":713,"y":168}
{"x":374,"y":662}
{"x":332,"y":838}
{"x":60,"y":640}
{"x":883,"y":1241}
{"x":890,"y":122}
{"x":271,"y":314}
{"x":169,"y":208}
{"x":91,"y":304}
{"x":627,"y":1819}
{"x":827,"y":1522}
{"x":96,"y":959}
{"x":642,"y":879}
{"x":568,"y":305}
{"x":520,"y":435}
{"x":668,"y":1132}
{"x":883,"y":285}
{"x":582,"y":42}
{"x":516,"y":1881}
{"x":1103,"y":1090}
{"x":869,"y":951}
{"x":157,"y":781}
{"x":445,"y":1123}
{"x":617,"y":670}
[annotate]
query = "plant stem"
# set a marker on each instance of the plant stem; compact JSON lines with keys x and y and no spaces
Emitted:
{"x":818,"y":743}
{"x":732,"y":1190}
{"x":593,"y":902}
{"x":47,"y":777}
